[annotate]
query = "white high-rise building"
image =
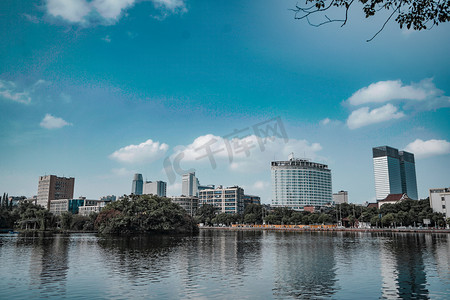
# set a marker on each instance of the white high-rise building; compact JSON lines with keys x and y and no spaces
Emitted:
{"x":189,"y":185}
{"x":395,"y":172}
{"x":297,"y":183}
{"x":158,"y":188}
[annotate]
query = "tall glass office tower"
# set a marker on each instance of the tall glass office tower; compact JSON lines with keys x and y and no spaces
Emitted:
{"x":138,"y":183}
{"x":297,"y":183}
{"x":395,"y":172}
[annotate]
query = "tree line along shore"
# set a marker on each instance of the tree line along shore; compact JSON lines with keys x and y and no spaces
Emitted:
{"x":153,"y":214}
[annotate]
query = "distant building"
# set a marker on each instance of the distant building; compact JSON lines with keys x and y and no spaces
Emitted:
{"x":393,"y":199}
{"x":137,"y":184}
{"x":205,"y":187}
{"x":189,"y":203}
{"x":189,"y":184}
{"x":372,"y":205}
{"x":92,"y":206}
{"x":58,"y":206}
{"x":440,"y":201}
{"x":109,"y":198}
{"x":340,"y":197}
{"x":395,"y":172}
{"x":158,"y":188}
{"x":225,"y":200}
{"x":15,"y":200}
{"x":51,"y":187}
{"x":251,"y":199}
{"x":309,"y":208}
{"x":81,"y":206}
{"x":297,"y":183}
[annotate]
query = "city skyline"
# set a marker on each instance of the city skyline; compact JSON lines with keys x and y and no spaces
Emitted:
{"x":102,"y":94}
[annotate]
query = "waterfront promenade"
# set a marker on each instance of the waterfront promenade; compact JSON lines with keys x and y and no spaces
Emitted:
{"x":304,"y":228}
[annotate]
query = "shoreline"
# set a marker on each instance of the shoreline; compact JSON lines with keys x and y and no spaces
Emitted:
{"x":446,"y":231}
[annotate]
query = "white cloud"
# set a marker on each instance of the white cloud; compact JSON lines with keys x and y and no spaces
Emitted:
{"x":364,"y":116}
{"x":51,"y":122}
{"x":325,"y":121}
{"x":424,"y":94}
{"x":242,"y":154}
{"x":32,"y":19}
{"x":70,"y":10}
{"x":107,"y":39}
{"x":171,"y":5}
{"x":109,"y":11}
{"x":147,"y":151}
{"x":9,"y":90}
{"x":422,"y":149}
{"x":329,"y":122}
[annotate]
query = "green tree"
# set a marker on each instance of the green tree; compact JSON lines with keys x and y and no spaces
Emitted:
{"x":374,"y":221}
{"x":415,"y":14}
{"x":226,"y":219}
{"x":256,"y":211}
{"x":66,"y":219}
{"x":352,"y":220}
{"x":251,"y":218}
{"x":143,"y":214}
{"x":205,"y":214}
{"x":388,"y":219}
{"x":296,"y":218}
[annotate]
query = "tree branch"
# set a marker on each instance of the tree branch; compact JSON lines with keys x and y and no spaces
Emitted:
{"x":381,"y":29}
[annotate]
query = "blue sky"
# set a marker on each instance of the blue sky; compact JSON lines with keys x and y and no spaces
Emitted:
{"x":98,"y":90}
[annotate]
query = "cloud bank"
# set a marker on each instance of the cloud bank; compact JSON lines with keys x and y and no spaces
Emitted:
{"x":420,"y":96}
{"x":364,"y":116}
{"x":145,"y":152}
{"x":10,"y":91}
{"x":108,"y":11}
{"x":423,"y":149}
{"x":242,"y":154}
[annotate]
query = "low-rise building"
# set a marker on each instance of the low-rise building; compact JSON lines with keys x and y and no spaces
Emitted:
{"x":189,"y":203}
{"x":93,"y":206}
{"x":440,"y":201}
{"x":58,"y":206}
{"x":251,"y":199}
{"x":80,"y":206}
{"x":228,"y":200}
{"x":392,"y":199}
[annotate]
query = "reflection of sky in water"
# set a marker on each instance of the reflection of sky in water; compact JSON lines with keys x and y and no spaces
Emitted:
{"x":224,"y":265}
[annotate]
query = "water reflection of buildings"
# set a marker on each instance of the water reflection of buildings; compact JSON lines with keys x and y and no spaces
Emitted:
{"x":310,"y":270}
{"x":49,"y":265}
{"x":229,"y":256}
{"x":402,"y":267}
{"x":440,"y":251}
{"x":210,"y":263}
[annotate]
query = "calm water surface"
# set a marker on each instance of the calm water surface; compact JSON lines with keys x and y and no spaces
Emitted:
{"x":227,"y":265}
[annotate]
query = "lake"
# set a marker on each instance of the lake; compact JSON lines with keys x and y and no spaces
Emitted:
{"x":220,"y":264}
